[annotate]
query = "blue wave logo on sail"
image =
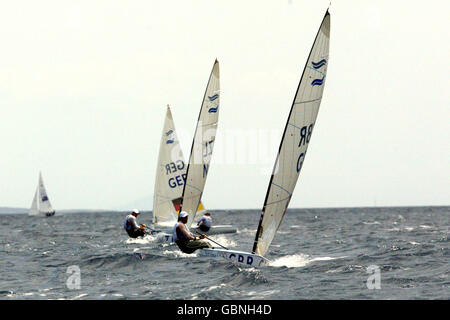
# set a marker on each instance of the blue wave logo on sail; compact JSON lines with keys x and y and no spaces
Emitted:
{"x":320,"y":64}
{"x":44,"y":198}
{"x":214,"y":97}
{"x":213,"y":110}
{"x":318,"y":82}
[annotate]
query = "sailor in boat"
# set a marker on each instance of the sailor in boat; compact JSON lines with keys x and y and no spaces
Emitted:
{"x":185,"y":240}
{"x":131,"y":227}
{"x":49,"y":214}
{"x":204,"y":224}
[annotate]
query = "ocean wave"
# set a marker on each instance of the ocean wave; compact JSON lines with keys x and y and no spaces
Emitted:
{"x":299,"y":260}
{"x":178,"y":254}
{"x":144,"y":240}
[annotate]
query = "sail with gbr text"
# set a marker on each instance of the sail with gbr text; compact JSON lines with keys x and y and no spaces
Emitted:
{"x":295,"y":140}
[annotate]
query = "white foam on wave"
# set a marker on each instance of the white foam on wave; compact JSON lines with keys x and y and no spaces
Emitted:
{"x":249,"y":270}
{"x":26,"y":294}
{"x":179,"y":254}
{"x":144,"y":240}
{"x":195,"y":295}
{"x":117,"y":295}
{"x":262,"y":294}
{"x":79,"y":296}
{"x":141,"y":248}
{"x":298,"y":260}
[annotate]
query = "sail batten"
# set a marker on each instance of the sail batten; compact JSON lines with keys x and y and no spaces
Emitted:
{"x":202,"y":146}
{"x":295,"y":139}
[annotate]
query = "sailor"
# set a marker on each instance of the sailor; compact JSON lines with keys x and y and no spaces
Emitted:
{"x":204,"y":224}
{"x":185,"y":240}
{"x":131,"y":227}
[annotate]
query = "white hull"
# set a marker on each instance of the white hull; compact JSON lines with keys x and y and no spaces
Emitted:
{"x":245,"y":258}
{"x":164,"y":237}
{"x":221,"y":229}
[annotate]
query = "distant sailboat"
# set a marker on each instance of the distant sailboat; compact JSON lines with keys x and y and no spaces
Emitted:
{"x":41,"y":205}
{"x":291,"y":154}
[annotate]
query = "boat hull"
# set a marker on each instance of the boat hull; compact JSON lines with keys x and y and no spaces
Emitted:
{"x":220,"y":229}
{"x":244,"y":258}
{"x":164,"y":237}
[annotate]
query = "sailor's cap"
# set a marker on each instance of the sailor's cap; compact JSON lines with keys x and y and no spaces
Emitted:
{"x":183,"y":214}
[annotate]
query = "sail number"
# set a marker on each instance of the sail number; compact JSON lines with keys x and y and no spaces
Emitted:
{"x":174,"y":167}
{"x":305,"y":136}
{"x":177,"y":180}
{"x":208,"y":152}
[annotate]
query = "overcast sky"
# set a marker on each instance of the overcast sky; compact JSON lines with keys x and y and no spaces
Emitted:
{"x":85,"y":84}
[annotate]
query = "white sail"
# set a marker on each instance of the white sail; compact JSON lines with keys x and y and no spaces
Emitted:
{"x":34,"y":205}
{"x":296,"y":137}
{"x":170,"y":175}
{"x":41,"y":204}
{"x":202,"y":146}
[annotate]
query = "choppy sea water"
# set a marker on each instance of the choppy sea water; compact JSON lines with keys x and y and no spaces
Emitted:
{"x":317,"y":254}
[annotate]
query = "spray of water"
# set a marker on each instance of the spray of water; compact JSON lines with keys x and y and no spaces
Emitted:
{"x":298,"y":260}
{"x":145,"y":240}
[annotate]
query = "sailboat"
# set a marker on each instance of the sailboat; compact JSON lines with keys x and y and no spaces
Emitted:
{"x":202,"y":146}
{"x":291,"y":154}
{"x":172,"y":174}
{"x":41,"y":205}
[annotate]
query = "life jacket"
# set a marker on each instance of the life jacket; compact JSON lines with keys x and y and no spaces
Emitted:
{"x":205,"y":220}
{"x":127,"y":224}
{"x":175,"y":235}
